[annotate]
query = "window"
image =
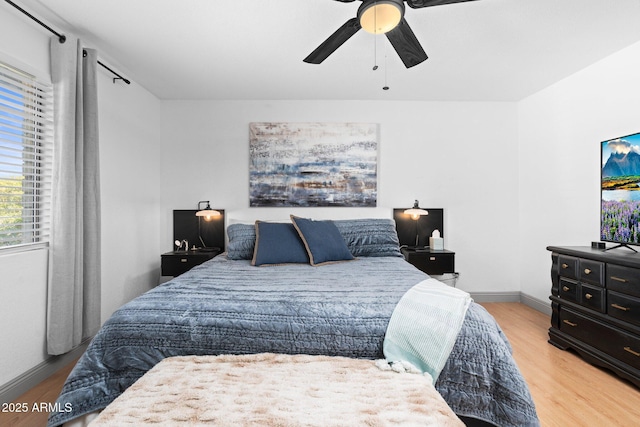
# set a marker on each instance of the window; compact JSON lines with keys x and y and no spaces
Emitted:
{"x":26,"y":151}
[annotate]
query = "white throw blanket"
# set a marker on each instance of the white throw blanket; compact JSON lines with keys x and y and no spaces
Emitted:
{"x":424,"y":326}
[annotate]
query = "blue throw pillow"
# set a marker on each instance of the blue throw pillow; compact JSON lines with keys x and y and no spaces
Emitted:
{"x":278,"y":243}
{"x":322,"y":240}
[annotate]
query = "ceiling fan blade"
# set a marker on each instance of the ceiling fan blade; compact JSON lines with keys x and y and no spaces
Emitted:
{"x":406,"y":44}
{"x":417,"y":4}
{"x":334,"y":41}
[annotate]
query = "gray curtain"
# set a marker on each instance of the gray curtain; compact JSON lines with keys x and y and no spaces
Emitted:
{"x":73,"y":299}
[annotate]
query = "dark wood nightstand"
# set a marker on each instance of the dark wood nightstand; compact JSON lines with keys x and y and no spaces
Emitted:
{"x":177,"y":262}
{"x":432,"y":262}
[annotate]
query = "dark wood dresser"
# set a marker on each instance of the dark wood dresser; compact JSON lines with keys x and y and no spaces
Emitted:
{"x":595,"y":301}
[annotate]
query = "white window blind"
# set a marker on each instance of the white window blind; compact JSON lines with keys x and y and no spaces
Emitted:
{"x":26,"y":150}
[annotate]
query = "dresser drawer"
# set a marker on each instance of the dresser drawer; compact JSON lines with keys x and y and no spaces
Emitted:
{"x":592,"y":297}
{"x":568,"y":266}
{"x":569,"y":290}
{"x":623,"y":279}
{"x":623,"y":307}
{"x":620,"y":345}
{"x":591,"y":272}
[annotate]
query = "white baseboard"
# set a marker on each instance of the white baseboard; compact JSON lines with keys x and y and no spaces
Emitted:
{"x":34,"y":376}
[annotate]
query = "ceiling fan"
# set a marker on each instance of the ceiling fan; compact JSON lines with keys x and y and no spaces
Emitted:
{"x":381,"y":17}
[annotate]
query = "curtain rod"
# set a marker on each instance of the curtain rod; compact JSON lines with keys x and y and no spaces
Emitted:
{"x":62,"y":38}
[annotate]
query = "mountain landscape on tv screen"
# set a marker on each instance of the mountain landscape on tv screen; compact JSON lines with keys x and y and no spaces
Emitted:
{"x":622,"y":164}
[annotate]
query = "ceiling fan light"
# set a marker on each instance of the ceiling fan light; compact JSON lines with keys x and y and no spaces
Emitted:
{"x":380,"y":16}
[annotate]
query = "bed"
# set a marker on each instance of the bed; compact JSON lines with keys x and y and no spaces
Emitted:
{"x":228,"y":305}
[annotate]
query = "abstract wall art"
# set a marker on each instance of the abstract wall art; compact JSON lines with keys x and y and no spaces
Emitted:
{"x":313,"y":164}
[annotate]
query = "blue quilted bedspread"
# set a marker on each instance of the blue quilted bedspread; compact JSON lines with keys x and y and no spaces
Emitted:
{"x":230,"y":307}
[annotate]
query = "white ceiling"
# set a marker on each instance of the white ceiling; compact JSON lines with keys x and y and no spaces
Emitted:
{"x":485,"y":50}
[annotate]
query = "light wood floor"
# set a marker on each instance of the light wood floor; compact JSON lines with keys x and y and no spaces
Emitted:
{"x":567,"y":391}
{"x":46,"y":392}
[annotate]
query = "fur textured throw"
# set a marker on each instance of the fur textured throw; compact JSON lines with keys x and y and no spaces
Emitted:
{"x":277,"y":390}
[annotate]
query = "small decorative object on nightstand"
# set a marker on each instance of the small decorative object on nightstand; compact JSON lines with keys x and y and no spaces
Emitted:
{"x":435,"y":241}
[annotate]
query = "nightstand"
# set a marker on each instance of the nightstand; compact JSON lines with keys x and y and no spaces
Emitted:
{"x":432,"y":262}
{"x":177,"y":262}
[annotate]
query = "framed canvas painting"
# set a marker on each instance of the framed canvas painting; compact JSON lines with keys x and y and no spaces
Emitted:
{"x":313,"y":164}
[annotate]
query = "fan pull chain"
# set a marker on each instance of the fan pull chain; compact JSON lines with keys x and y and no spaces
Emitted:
{"x":375,"y":53}
{"x":386,"y":86}
{"x":375,"y":41}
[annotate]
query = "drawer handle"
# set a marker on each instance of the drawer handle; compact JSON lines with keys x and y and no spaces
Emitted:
{"x":618,"y":279}
{"x":619,"y":307}
{"x":565,"y":265}
{"x":183,"y":260}
{"x":588,"y":296}
{"x":565,"y":288}
{"x":628,"y":350}
{"x":570,"y":323}
{"x":587,"y":271}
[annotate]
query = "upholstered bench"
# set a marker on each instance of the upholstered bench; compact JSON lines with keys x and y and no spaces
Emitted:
{"x":277,"y":390}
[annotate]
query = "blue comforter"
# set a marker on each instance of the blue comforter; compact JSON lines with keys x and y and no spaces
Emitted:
{"x":230,"y":307}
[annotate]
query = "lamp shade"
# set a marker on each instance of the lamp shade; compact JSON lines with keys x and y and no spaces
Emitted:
{"x":416,"y":211}
{"x":207,"y":212}
{"x":380,"y":16}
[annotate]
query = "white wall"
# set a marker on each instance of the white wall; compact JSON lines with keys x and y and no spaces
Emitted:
{"x":130,"y":184}
{"x":560,"y":129}
{"x":23,"y":299}
{"x":130,"y":176}
{"x":458,"y":156}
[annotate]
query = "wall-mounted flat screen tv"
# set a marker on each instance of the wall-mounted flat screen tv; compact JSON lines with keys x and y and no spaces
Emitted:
{"x":620,"y":190}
